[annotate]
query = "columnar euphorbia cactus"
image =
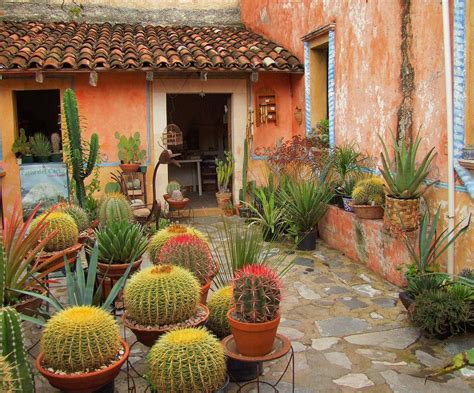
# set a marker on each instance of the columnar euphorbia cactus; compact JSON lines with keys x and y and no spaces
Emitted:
{"x":256,"y":291}
{"x":190,"y":252}
{"x":66,"y":229}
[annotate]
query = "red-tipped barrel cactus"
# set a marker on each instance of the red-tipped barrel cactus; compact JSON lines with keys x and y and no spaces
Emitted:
{"x":190,"y":252}
{"x":257,"y":294}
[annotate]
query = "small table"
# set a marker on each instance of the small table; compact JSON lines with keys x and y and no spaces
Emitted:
{"x":197,"y":161}
{"x":281,"y":347}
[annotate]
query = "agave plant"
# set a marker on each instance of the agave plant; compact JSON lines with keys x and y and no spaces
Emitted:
{"x":40,"y":145}
{"x":407,"y":179}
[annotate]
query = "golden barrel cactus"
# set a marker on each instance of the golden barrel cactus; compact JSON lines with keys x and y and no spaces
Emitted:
{"x":67,"y":231}
{"x":78,"y":214}
{"x":115,"y":207}
{"x":220,"y":302}
{"x":7,"y":379}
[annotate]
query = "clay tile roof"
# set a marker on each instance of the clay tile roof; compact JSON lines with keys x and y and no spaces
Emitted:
{"x":69,"y":45}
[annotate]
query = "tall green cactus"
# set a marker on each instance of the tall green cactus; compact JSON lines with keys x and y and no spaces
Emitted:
{"x":244,"y":172}
{"x":82,"y":155}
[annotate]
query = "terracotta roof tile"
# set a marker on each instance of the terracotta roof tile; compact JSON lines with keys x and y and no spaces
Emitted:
{"x":37,"y":45}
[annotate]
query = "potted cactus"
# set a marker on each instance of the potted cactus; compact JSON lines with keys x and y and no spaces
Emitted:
{"x":172,"y":186}
{"x":187,"y":360}
{"x":160,"y":298}
{"x":368,"y":198}
{"x":219,"y":304}
{"x":57,"y":154}
{"x":22,"y":148}
{"x":194,"y":254}
{"x":130,"y":154}
{"x":40,"y":147}
{"x":255,"y":318}
{"x":114,"y":207}
{"x":224,"y":170}
{"x":83,"y":222}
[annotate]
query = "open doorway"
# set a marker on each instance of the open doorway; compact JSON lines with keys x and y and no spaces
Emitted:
{"x":204,"y":120}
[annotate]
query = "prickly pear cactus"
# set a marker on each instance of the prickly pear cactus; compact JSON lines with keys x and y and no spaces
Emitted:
{"x":256,"y":291}
{"x":190,"y":252}
{"x":219,"y":304}
{"x":115,"y":207}
{"x":159,"y":239}
{"x":78,"y":214}
{"x":369,"y":192}
{"x":80,"y":339}
{"x":7,"y":379}
{"x":187,"y":361}
{"x":161,"y":295}
{"x":67,"y":230}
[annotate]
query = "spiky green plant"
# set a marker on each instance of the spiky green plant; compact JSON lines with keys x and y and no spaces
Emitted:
{"x":257,"y":293}
{"x":172,"y":186}
{"x":21,"y":146}
{"x":40,"y":145}
{"x":159,"y":239}
{"x":161,"y":295}
{"x":187,"y":361}
{"x":82,"y":155}
{"x":80,"y":339}
{"x":406,"y":180}
{"x":79,"y":215}
{"x":66,"y":229}
{"x":190,"y":252}
{"x":7,"y":379}
{"x":224,"y":170}
{"x":219,"y":304}
{"x":369,"y":192}
{"x":114,"y":207}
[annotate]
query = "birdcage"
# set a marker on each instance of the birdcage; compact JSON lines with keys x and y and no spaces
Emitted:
{"x":172,"y":135}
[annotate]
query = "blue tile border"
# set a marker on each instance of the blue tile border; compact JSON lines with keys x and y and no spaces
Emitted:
{"x":331,"y":77}
{"x":307,"y":88}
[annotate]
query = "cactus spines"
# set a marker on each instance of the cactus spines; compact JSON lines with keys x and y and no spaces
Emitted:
{"x":55,"y":142}
{"x":78,"y":214}
{"x":257,"y":295}
{"x":190,"y":252}
{"x":115,"y":207}
{"x":7,"y":380}
{"x":369,"y":192}
{"x":13,"y":349}
{"x":187,"y":360}
{"x":219,"y":304}
{"x":173,"y":185}
{"x":80,"y":339}
{"x":67,"y":232}
{"x":82,"y":154}
{"x":161,"y":295}
{"x":159,"y":239}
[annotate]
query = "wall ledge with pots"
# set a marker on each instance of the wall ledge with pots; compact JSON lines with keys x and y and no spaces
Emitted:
{"x":366,"y":242}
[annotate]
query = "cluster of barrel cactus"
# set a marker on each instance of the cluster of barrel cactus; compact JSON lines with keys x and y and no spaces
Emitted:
{"x":369,"y":192}
{"x":187,"y":360}
{"x":80,"y":339}
{"x":114,"y":207}
{"x":67,"y":231}
{"x":257,"y":294}
{"x":219,"y":304}
{"x":190,"y":252}
{"x":78,"y":214}
{"x":161,"y":295}
{"x":159,"y":239}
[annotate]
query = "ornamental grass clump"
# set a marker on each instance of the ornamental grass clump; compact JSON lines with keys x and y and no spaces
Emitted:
{"x":67,"y":233}
{"x":187,"y":360}
{"x":219,"y":304}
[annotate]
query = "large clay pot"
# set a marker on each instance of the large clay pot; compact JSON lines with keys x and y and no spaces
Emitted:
{"x":83,"y":383}
{"x":178,"y":204}
{"x":368,"y":212}
{"x":401,"y":215}
{"x":223,"y":199}
{"x":204,"y":291}
{"x":253,"y":339}
{"x":57,"y":258}
{"x":117,"y":270}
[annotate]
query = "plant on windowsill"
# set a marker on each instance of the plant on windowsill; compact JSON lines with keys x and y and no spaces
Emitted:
{"x":40,"y":147}
{"x":224,"y":170}
{"x":404,"y":179}
{"x":130,"y":154}
{"x":22,"y":148}
{"x":368,"y":198}
{"x":57,"y":154}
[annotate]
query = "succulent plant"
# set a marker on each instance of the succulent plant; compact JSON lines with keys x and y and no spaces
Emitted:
{"x":187,"y":360}
{"x":21,"y":146}
{"x":40,"y":145}
{"x":79,"y":215}
{"x":190,"y":252}
{"x":7,"y":379}
{"x":177,"y":195}
{"x":80,"y":339}
{"x":67,"y":232}
{"x":173,"y":185}
{"x":256,"y":291}
{"x":120,"y":242}
{"x":56,"y":142}
{"x":161,"y":295}
{"x":369,"y":192}
{"x":159,"y":239}
{"x":219,"y":304}
{"x":114,"y":207}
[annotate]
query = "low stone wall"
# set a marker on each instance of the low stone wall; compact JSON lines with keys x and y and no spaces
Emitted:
{"x":365,"y":241}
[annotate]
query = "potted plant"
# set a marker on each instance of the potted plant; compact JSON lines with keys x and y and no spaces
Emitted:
{"x":405,"y":184}
{"x":161,"y":298}
{"x":22,"y":149}
{"x":57,"y":154}
{"x":187,"y":360}
{"x":224,"y":170}
{"x":174,"y":197}
{"x":255,"y":318}
{"x":173,"y":185}
{"x":82,"y":220}
{"x":305,"y":204}
{"x":40,"y":147}
{"x":114,"y":207}
{"x":269,"y":215}
{"x":229,"y":209}
{"x":192,"y":253}
{"x":130,"y":154}
{"x":220,"y":302}
{"x":368,"y":198}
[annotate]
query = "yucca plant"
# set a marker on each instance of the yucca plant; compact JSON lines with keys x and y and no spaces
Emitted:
{"x":40,"y":145}
{"x":346,"y":161}
{"x":404,"y":177}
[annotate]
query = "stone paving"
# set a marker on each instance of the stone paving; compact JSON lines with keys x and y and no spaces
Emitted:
{"x":349,"y":333}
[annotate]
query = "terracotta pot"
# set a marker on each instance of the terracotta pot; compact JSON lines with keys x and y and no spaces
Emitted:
{"x":87,"y":382}
{"x":204,"y":291}
{"x":57,"y":257}
{"x":253,"y":339}
{"x":148,"y":337}
{"x":28,"y":306}
{"x":368,"y":212}
{"x":223,"y":199}
{"x":229,"y":212}
{"x":128,"y":168}
{"x":166,"y":197}
{"x":178,"y":205}
{"x":117,"y":270}
{"x":401,"y":215}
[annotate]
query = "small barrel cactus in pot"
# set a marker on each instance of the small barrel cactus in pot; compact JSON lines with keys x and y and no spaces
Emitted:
{"x":67,"y":232}
{"x":115,"y":207}
{"x":369,"y":192}
{"x":173,"y":186}
{"x":219,"y":304}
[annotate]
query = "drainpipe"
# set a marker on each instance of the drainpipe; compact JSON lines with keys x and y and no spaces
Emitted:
{"x":449,"y":128}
